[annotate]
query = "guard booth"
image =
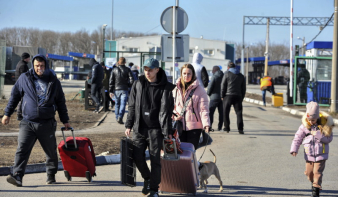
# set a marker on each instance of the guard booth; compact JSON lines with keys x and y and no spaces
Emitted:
{"x":318,"y":88}
{"x":60,"y":64}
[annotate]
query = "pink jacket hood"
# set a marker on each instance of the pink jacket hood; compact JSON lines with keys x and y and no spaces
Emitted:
{"x":197,"y":112}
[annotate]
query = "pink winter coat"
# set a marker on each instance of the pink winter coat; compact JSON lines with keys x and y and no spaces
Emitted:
{"x":199,"y":104}
{"x":316,"y":147}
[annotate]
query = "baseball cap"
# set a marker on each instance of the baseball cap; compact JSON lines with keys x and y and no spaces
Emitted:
{"x":151,"y":63}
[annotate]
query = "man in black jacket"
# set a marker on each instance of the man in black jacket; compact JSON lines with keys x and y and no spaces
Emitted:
{"x":214,"y":90}
{"x":42,"y":95}
{"x":97,"y":78}
{"x":232,"y":93}
{"x":121,"y":79}
{"x":21,"y":67}
{"x":151,"y":105}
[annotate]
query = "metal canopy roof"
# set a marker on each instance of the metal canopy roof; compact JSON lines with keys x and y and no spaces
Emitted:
{"x":59,"y":57}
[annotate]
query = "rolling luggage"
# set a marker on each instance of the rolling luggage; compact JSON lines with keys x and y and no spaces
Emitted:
{"x":128,"y":167}
{"x":179,"y":172}
{"x":77,"y":156}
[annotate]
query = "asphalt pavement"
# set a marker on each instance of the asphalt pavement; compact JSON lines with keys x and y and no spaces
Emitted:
{"x":257,"y":163}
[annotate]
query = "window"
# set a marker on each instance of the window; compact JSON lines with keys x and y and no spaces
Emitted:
{"x":209,"y":51}
{"x":191,"y":51}
{"x":132,"y":49}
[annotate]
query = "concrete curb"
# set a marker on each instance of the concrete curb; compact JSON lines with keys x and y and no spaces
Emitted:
{"x":41,"y":167}
{"x":291,"y":111}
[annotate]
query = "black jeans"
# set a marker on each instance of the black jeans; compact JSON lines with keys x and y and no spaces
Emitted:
{"x":191,"y":136}
{"x":96,"y":94}
{"x":212,"y":108}
{"x":28,"y":134}
{"x":152,"y":139}
{"x":108,"y":99}
{"x":236,"y":101}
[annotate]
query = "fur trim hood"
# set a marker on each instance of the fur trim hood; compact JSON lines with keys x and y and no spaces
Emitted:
{"x":325,"y":123}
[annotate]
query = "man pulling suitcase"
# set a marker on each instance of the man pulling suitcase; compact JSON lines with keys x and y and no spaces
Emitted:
{"x":41,"y":93}
{"x":150,"y":108}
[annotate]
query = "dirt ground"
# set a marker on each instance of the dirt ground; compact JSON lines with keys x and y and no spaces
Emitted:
{"x":79,"y":119}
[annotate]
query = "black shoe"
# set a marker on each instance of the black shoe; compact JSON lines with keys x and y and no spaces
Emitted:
{"x":226,"y":130}
{"x":100,"y":108}
{"x":315,"y":192}
{"x":50,"y":179}
{"x":146,"y":187}
{"x":120,"y":121}
{"x":219,"y":129}
{"x":19,"y":117}
{"x":15,"y":180}
{"x":153,"y":194}
{"x":241,"y":132}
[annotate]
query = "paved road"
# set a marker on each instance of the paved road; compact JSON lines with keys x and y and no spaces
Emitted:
{"x":255,"y":164}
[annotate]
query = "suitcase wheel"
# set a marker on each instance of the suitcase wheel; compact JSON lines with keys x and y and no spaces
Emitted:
{"x":67,"y":175}
{"x":88,"y":176}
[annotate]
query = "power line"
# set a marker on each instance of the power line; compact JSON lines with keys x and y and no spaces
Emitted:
{"x":321,"y":29}
{"x":153,"y":28}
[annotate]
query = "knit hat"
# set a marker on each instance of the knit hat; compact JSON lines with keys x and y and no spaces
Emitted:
{"x":133,"y":68}
{"x":131,"y":64}
{"x":25,"y":55}
{"x":312,"y":110}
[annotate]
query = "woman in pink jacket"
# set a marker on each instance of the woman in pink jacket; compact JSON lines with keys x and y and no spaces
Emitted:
{"x":315,"y":134}
{"x":196,"y":116}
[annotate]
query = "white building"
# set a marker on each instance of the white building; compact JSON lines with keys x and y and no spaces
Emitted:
{"x":213,"y":51}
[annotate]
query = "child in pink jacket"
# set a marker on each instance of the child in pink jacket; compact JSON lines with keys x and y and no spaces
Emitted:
{"x":315,"y":133}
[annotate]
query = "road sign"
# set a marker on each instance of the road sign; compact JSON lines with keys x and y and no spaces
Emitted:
{"x":182,"y":48}
{"x":167,"y":20}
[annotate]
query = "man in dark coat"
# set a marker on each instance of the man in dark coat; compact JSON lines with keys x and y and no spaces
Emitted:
{"x":42,"y":95}
{"x":21,"y":67}
{"x":150,"y":106}
{"x":96,"y":86}
{"x":105,"y":82}
{"x":121,"y":79}
{"x":214,"y":90}
{"x":232,"y":93}
{"x":303,"y":77}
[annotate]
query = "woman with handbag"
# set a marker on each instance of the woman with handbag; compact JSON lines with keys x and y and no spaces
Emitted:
{"x":191,"y":106}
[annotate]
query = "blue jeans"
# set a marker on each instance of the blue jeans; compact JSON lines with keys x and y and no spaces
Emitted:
{"x":121,"y":102}
{"x":270,"y":89}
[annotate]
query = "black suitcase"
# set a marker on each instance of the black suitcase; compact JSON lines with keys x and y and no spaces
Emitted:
{"x":128,"y":167}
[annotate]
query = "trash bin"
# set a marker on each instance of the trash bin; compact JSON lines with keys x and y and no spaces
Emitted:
{"x":83,"y":93}
{"x":277,"y":100}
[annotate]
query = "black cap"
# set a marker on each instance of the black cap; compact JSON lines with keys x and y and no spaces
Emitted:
{"x":131,"y":64}
{"x":25,"y":55}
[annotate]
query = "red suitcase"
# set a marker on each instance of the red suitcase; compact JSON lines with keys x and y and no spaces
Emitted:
{"x":77,"y":156}
{"x":179,"y":172}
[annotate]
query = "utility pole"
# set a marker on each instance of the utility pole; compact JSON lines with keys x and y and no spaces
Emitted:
{"x":174,"y":41}
{"x":333,"y":107}
{"x":112,"y":18}
{"x":267,"y":48}
{"x":247,"y":66}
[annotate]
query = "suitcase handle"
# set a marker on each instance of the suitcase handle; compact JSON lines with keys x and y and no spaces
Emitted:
{"x":64,"y":138}
{"x":166,"y":155}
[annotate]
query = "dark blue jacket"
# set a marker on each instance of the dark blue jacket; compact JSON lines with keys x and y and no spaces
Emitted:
{"x":214,"y":87}
{"x":97,"y":74}
{"x":31,"y":111}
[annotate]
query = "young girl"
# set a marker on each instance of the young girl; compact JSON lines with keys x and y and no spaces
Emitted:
{"x":315,"y":134}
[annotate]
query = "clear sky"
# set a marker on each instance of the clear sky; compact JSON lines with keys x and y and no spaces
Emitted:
{"x":212,"y":19}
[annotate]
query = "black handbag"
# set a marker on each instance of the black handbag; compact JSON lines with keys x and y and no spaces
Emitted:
{"x":205,"y":139}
